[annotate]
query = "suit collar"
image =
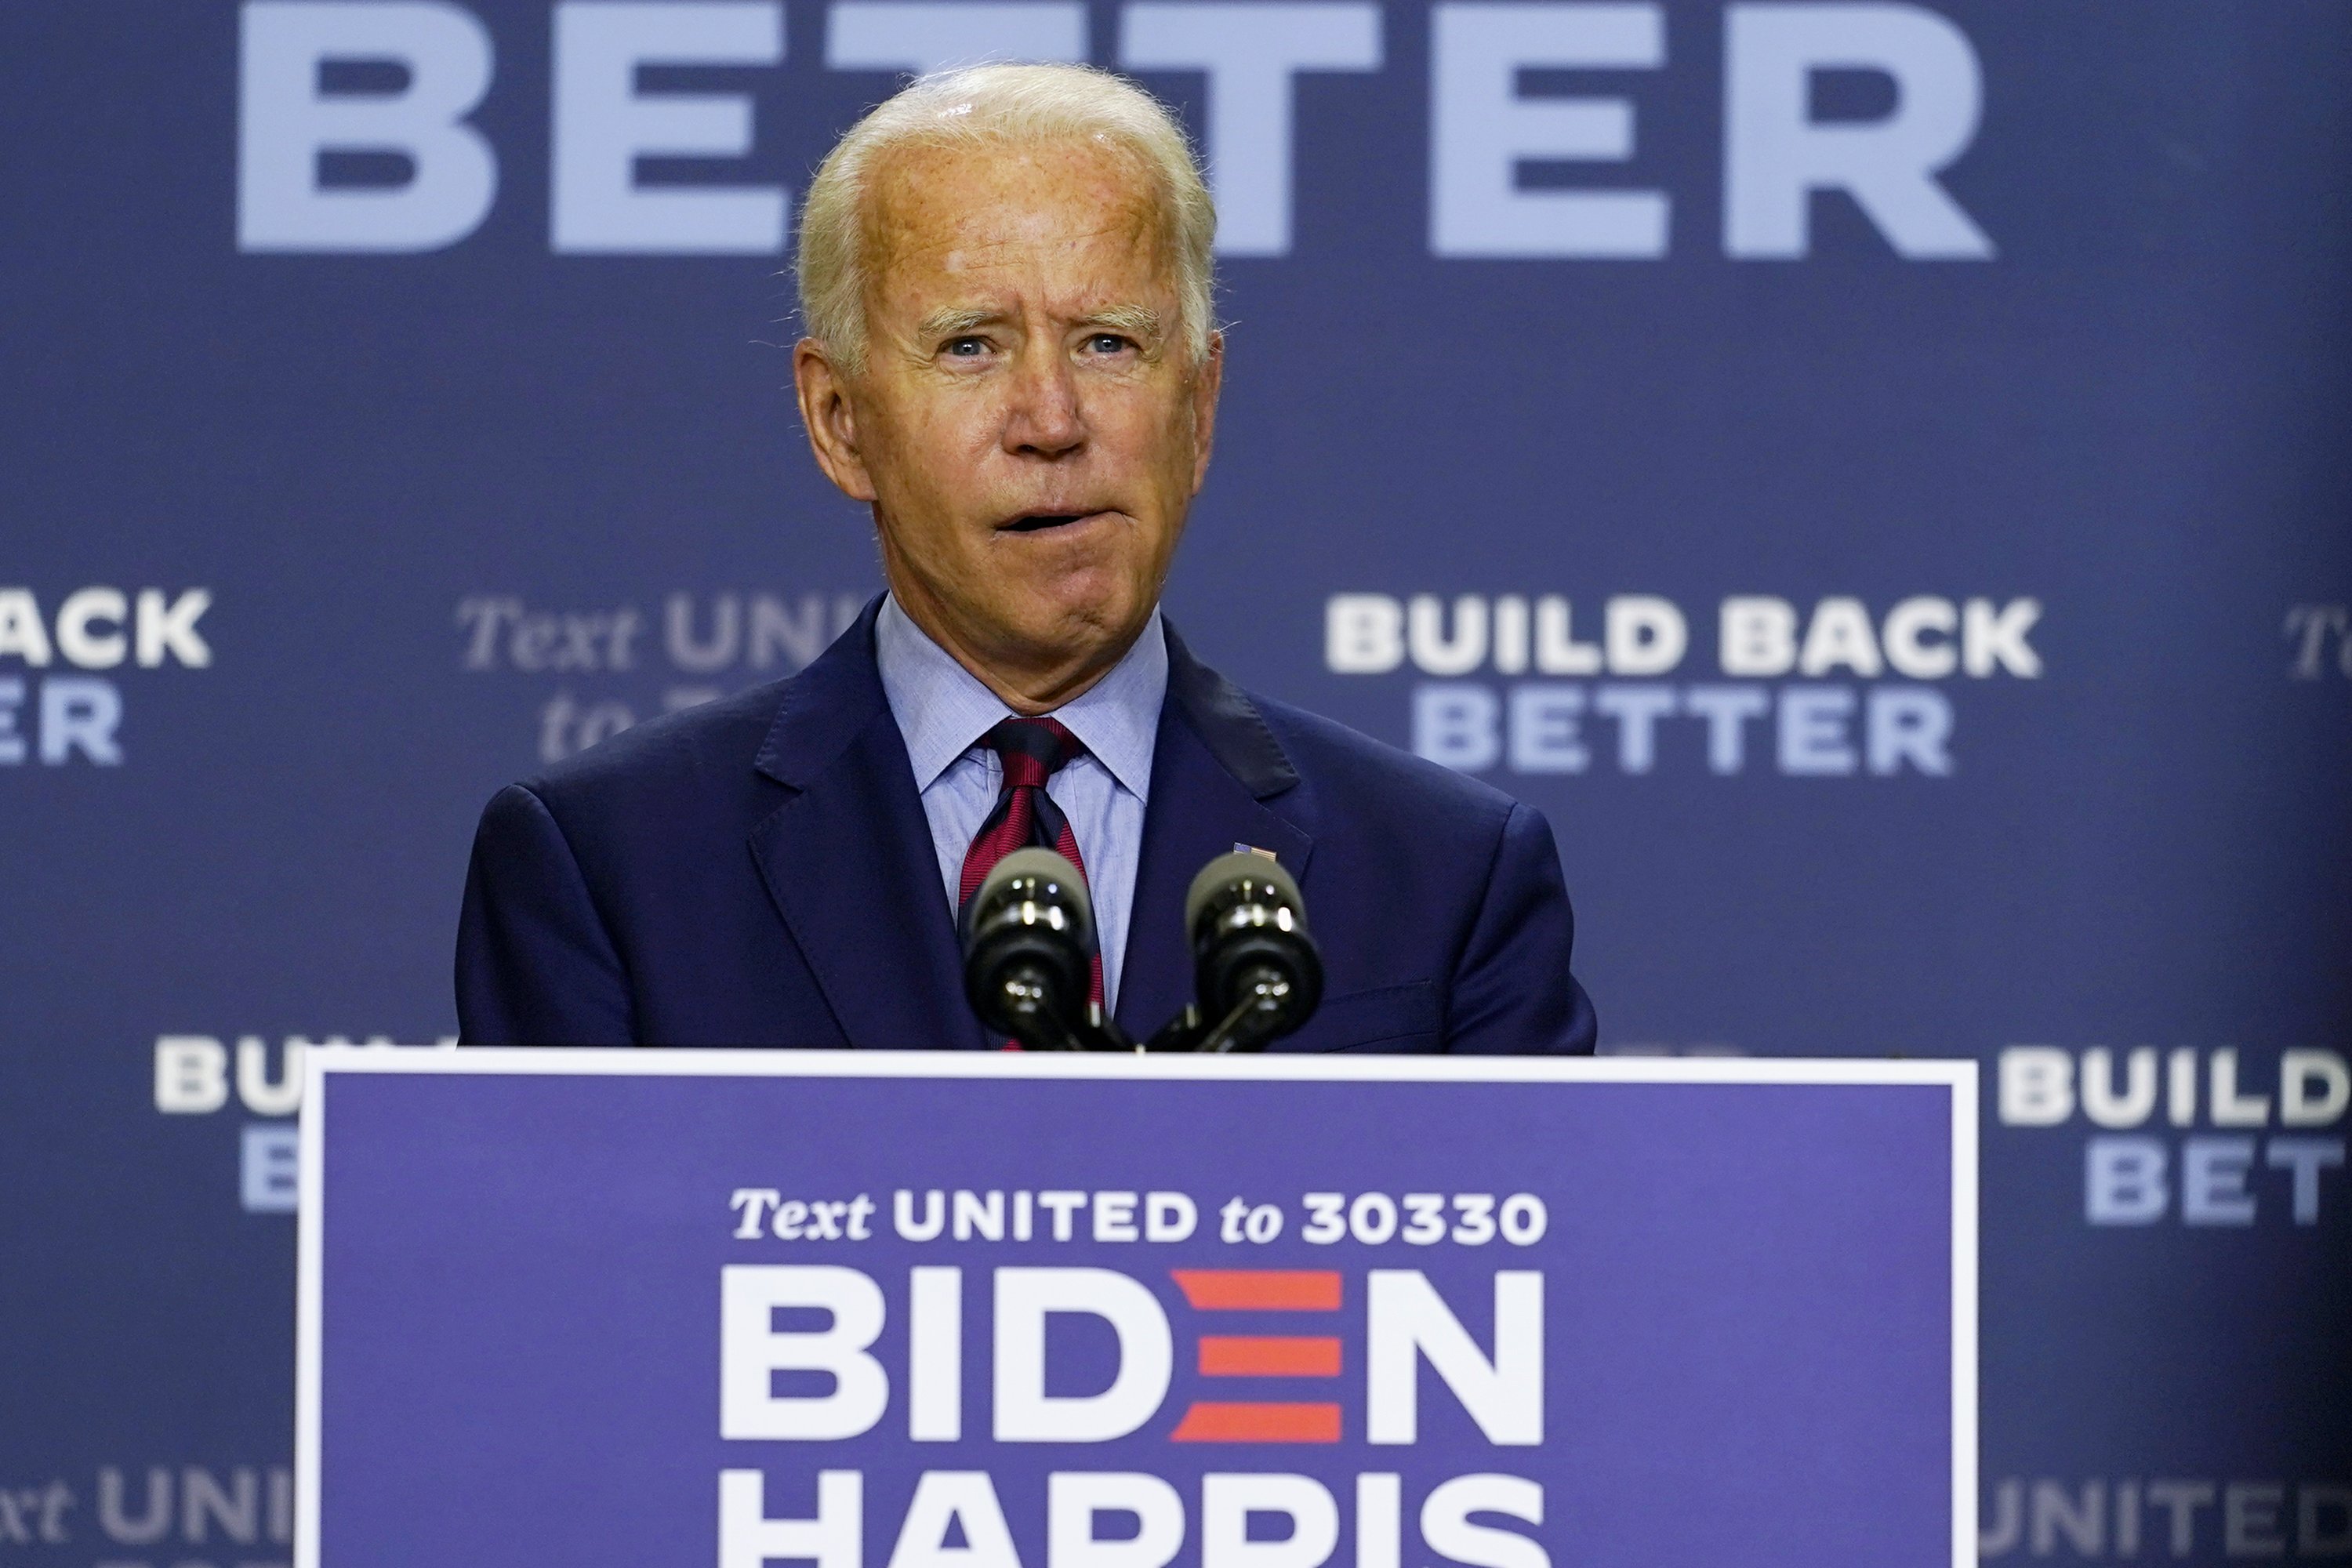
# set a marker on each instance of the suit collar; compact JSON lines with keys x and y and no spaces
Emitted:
{"x":827,"y":704}
{"x":1228,"y":723}
{"x":826,"y":707}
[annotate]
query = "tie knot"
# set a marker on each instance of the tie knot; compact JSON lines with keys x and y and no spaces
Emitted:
{"x":1034,"y":750}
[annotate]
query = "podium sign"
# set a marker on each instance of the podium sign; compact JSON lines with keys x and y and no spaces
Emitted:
{"x":967,"y":1311}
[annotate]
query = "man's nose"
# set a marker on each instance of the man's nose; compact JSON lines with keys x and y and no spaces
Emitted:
{"x":1043,"y":419}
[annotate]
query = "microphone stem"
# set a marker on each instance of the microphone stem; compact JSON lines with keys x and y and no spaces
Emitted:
{"x":1106,"y":1034}
{"x":1028,"y":997}
{"x":1263,"y":991}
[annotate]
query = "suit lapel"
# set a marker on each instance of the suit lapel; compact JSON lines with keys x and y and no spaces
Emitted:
{"x":1214,"y":765}
{"x":848,"y":860}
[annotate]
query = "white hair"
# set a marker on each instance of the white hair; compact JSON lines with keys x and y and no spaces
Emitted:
{"x":998,"y":105}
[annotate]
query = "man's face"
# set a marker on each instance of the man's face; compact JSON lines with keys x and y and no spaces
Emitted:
{"x":1028,"y":425}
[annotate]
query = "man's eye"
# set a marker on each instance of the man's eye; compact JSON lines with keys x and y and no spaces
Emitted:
{"x":967,"y":348}
{"x":1108,"y":343}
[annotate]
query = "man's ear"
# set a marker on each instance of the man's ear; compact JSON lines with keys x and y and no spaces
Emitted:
{"x":1207,"y":382}
{"x":831,"y":422}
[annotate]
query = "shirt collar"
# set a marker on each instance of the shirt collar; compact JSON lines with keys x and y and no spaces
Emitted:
{"x":943,"y":710}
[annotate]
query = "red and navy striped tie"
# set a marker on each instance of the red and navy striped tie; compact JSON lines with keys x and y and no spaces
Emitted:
{"x":1033,"y":750}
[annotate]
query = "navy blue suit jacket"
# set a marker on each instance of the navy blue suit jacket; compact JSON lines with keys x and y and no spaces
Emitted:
{"x":758,"y":871}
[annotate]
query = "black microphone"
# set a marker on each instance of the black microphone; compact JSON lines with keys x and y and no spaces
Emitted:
{"x":1256,"y":975}
{"x":1028,"y":949}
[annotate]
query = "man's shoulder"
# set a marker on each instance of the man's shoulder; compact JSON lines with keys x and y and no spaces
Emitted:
{"x":692,"y":760}
{"x":732,"y":752}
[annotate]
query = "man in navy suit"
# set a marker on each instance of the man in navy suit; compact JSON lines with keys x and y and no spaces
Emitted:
{"x":1005,"y":275}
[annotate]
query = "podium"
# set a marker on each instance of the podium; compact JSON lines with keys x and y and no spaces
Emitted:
{"x":997,"y":1310}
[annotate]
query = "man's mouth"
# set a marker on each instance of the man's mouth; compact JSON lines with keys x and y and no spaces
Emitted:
{"x":1038,"y":521}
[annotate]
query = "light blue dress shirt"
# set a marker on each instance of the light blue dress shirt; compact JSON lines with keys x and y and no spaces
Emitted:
{"x":943,"y":710}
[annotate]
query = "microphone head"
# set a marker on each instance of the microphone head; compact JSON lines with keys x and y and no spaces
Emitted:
{"x":1242,"y":875}
{"x":1028,"y":936}
{"x":1038,"y":875}
{"x":1252,"y":955}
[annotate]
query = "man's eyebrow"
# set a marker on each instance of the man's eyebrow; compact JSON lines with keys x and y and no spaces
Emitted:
{"x":1135,"y":321}
{"x":953,"y":321}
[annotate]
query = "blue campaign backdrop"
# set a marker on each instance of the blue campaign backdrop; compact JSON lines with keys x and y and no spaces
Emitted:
{"x":1876,"y":475}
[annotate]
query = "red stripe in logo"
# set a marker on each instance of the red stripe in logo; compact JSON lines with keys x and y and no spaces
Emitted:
{"x":1273,"y":1355}
{"x":1207,"y":1422}
{"x":1260,"y":1289}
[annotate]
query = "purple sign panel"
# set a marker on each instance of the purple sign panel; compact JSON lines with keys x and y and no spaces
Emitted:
{"x":915,"y":1310}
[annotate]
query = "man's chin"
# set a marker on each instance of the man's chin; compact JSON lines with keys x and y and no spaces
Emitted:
{"x":1078,"y":623}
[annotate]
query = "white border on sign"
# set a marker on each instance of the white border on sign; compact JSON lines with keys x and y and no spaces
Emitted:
{"x":310,"y":1183}
{"x":320,"y":1064}
{"x":1964,"y":1316}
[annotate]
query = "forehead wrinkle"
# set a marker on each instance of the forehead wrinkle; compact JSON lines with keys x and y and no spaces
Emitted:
{"x":984,"y":249}
{"x":904,"y":217}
